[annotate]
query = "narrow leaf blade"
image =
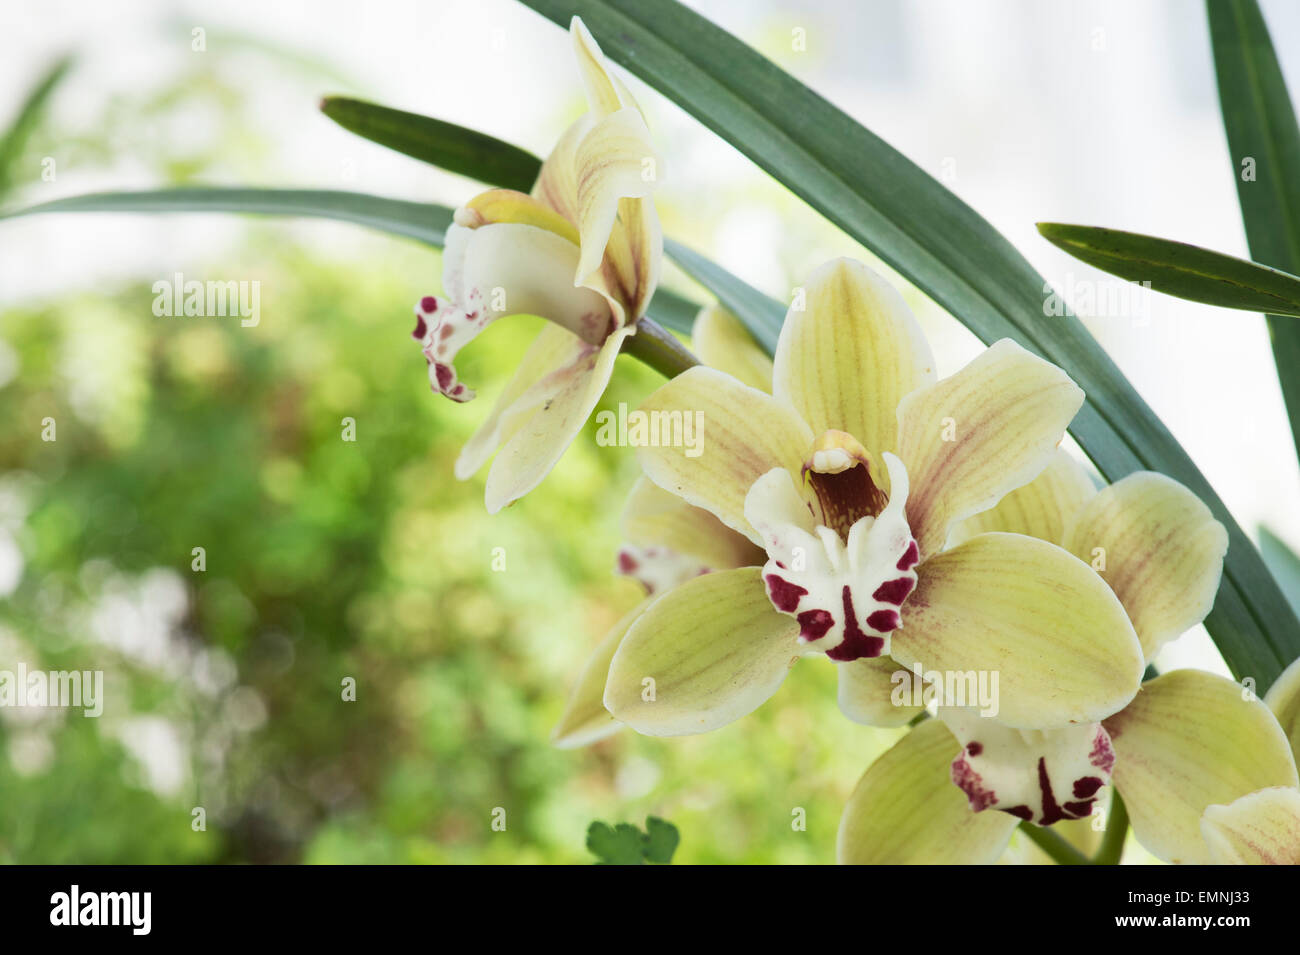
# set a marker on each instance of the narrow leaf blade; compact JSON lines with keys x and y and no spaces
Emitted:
{"x":421,"y":221}
{"x":1179,"y":269}
{"x":445,"y":145}
{"x":1264,"y":141}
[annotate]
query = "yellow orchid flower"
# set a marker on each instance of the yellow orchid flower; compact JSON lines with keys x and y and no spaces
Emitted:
{"x":849,"y":476}
{"x":1187,"y":742}
{"x":583,"y":251}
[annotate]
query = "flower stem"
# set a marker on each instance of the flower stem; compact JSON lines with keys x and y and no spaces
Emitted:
{"x":659,"y":348}
{"x":1061,"y":851}
{"x":1112,"y":845}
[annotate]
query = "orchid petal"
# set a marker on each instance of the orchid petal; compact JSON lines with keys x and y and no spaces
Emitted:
{"x":703,"y":655}
{"x":539,"y":441}
{"x":1035,"y":615}
{"x":1283,"y":698}
{"x":905,"y":810}
{"x":660,"y":527}
{"x":533,"y":383}
{"x":849,"y":351}
{"x":1262,"y":828}
{"x":605,"y":94}
{"x":614,"y":161}
{"x":721,"y":341}
{"x":868,"y":689}
{"x":1159,"y":548}
{"x":1191,"y":740}
{"x":1043,"y":508}
{"x":585,"y":719}
{"x":990,"y":428}
{"x":744,"y":434}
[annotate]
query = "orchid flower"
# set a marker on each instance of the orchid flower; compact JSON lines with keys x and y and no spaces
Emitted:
{"x":849,"y":476}
{"x":583,"y":251}
{"x":1187,"y":742}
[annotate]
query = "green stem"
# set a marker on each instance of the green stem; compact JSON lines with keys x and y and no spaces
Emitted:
{"x":659,"y":348}
{"x":1112,"y":845}
{"x":1061,"y":851}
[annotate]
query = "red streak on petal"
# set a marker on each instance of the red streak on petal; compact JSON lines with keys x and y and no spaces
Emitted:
{"x":911,"y":557}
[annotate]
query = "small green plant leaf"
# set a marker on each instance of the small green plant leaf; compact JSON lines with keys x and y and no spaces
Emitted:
{"x":625,"y":844}
{"x":661,"y":840}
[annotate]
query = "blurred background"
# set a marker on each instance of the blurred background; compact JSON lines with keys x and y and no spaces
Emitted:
{"x":328,"y":559}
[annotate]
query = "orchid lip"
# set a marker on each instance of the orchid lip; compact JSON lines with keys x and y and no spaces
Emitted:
{"x":436,"y":323}
{"x":1042,"y":777}
{"x":845,"y":587}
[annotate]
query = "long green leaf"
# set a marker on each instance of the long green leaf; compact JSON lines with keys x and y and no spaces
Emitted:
{"x":498,"y":163}
{"x":941,"y":245}
{"x":1179,"y":269}
{"x":1264,"y":141}
{"x":446,"y":145}
{"x":1284,"y":562}
{"x":413,"y":220}
{"x":14,"y":139}
{"x":422,"y":221}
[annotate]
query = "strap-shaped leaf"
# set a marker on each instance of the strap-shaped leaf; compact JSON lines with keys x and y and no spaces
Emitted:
{"x":1179,"y":269}
{"x":1264,"y":141}
{"x":413,"y":220}
{"x":421,"y":221}
{"x":446,"y":145}
{"x":28,"y":118}
{"x":941,"y":245}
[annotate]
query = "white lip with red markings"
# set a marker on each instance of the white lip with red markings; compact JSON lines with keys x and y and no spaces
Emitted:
{"x":845,"y":589}
{"x":1041,"y":776}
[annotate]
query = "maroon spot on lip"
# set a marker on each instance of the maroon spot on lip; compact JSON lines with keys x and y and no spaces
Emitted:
{"x":785,"y":595}
{"x":421,"y":329}
{"x":971,"y":783}
{"x":1086,"y":787}
{"x":444,"y":375}
{"x":974,"y":748}
{"x":910,"y":557}
{"x":883,"y":620}
{"x":894,"y":591}
{"x":856,"y":643}
{"x":626,"y":563}
{"x":445,"y":333}
{"x":1024,"y":812}
{"x":813,"y":624}
{"x":1080,"y":809}
{"x":429,"y":304}
{"x":1103,"y":754}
